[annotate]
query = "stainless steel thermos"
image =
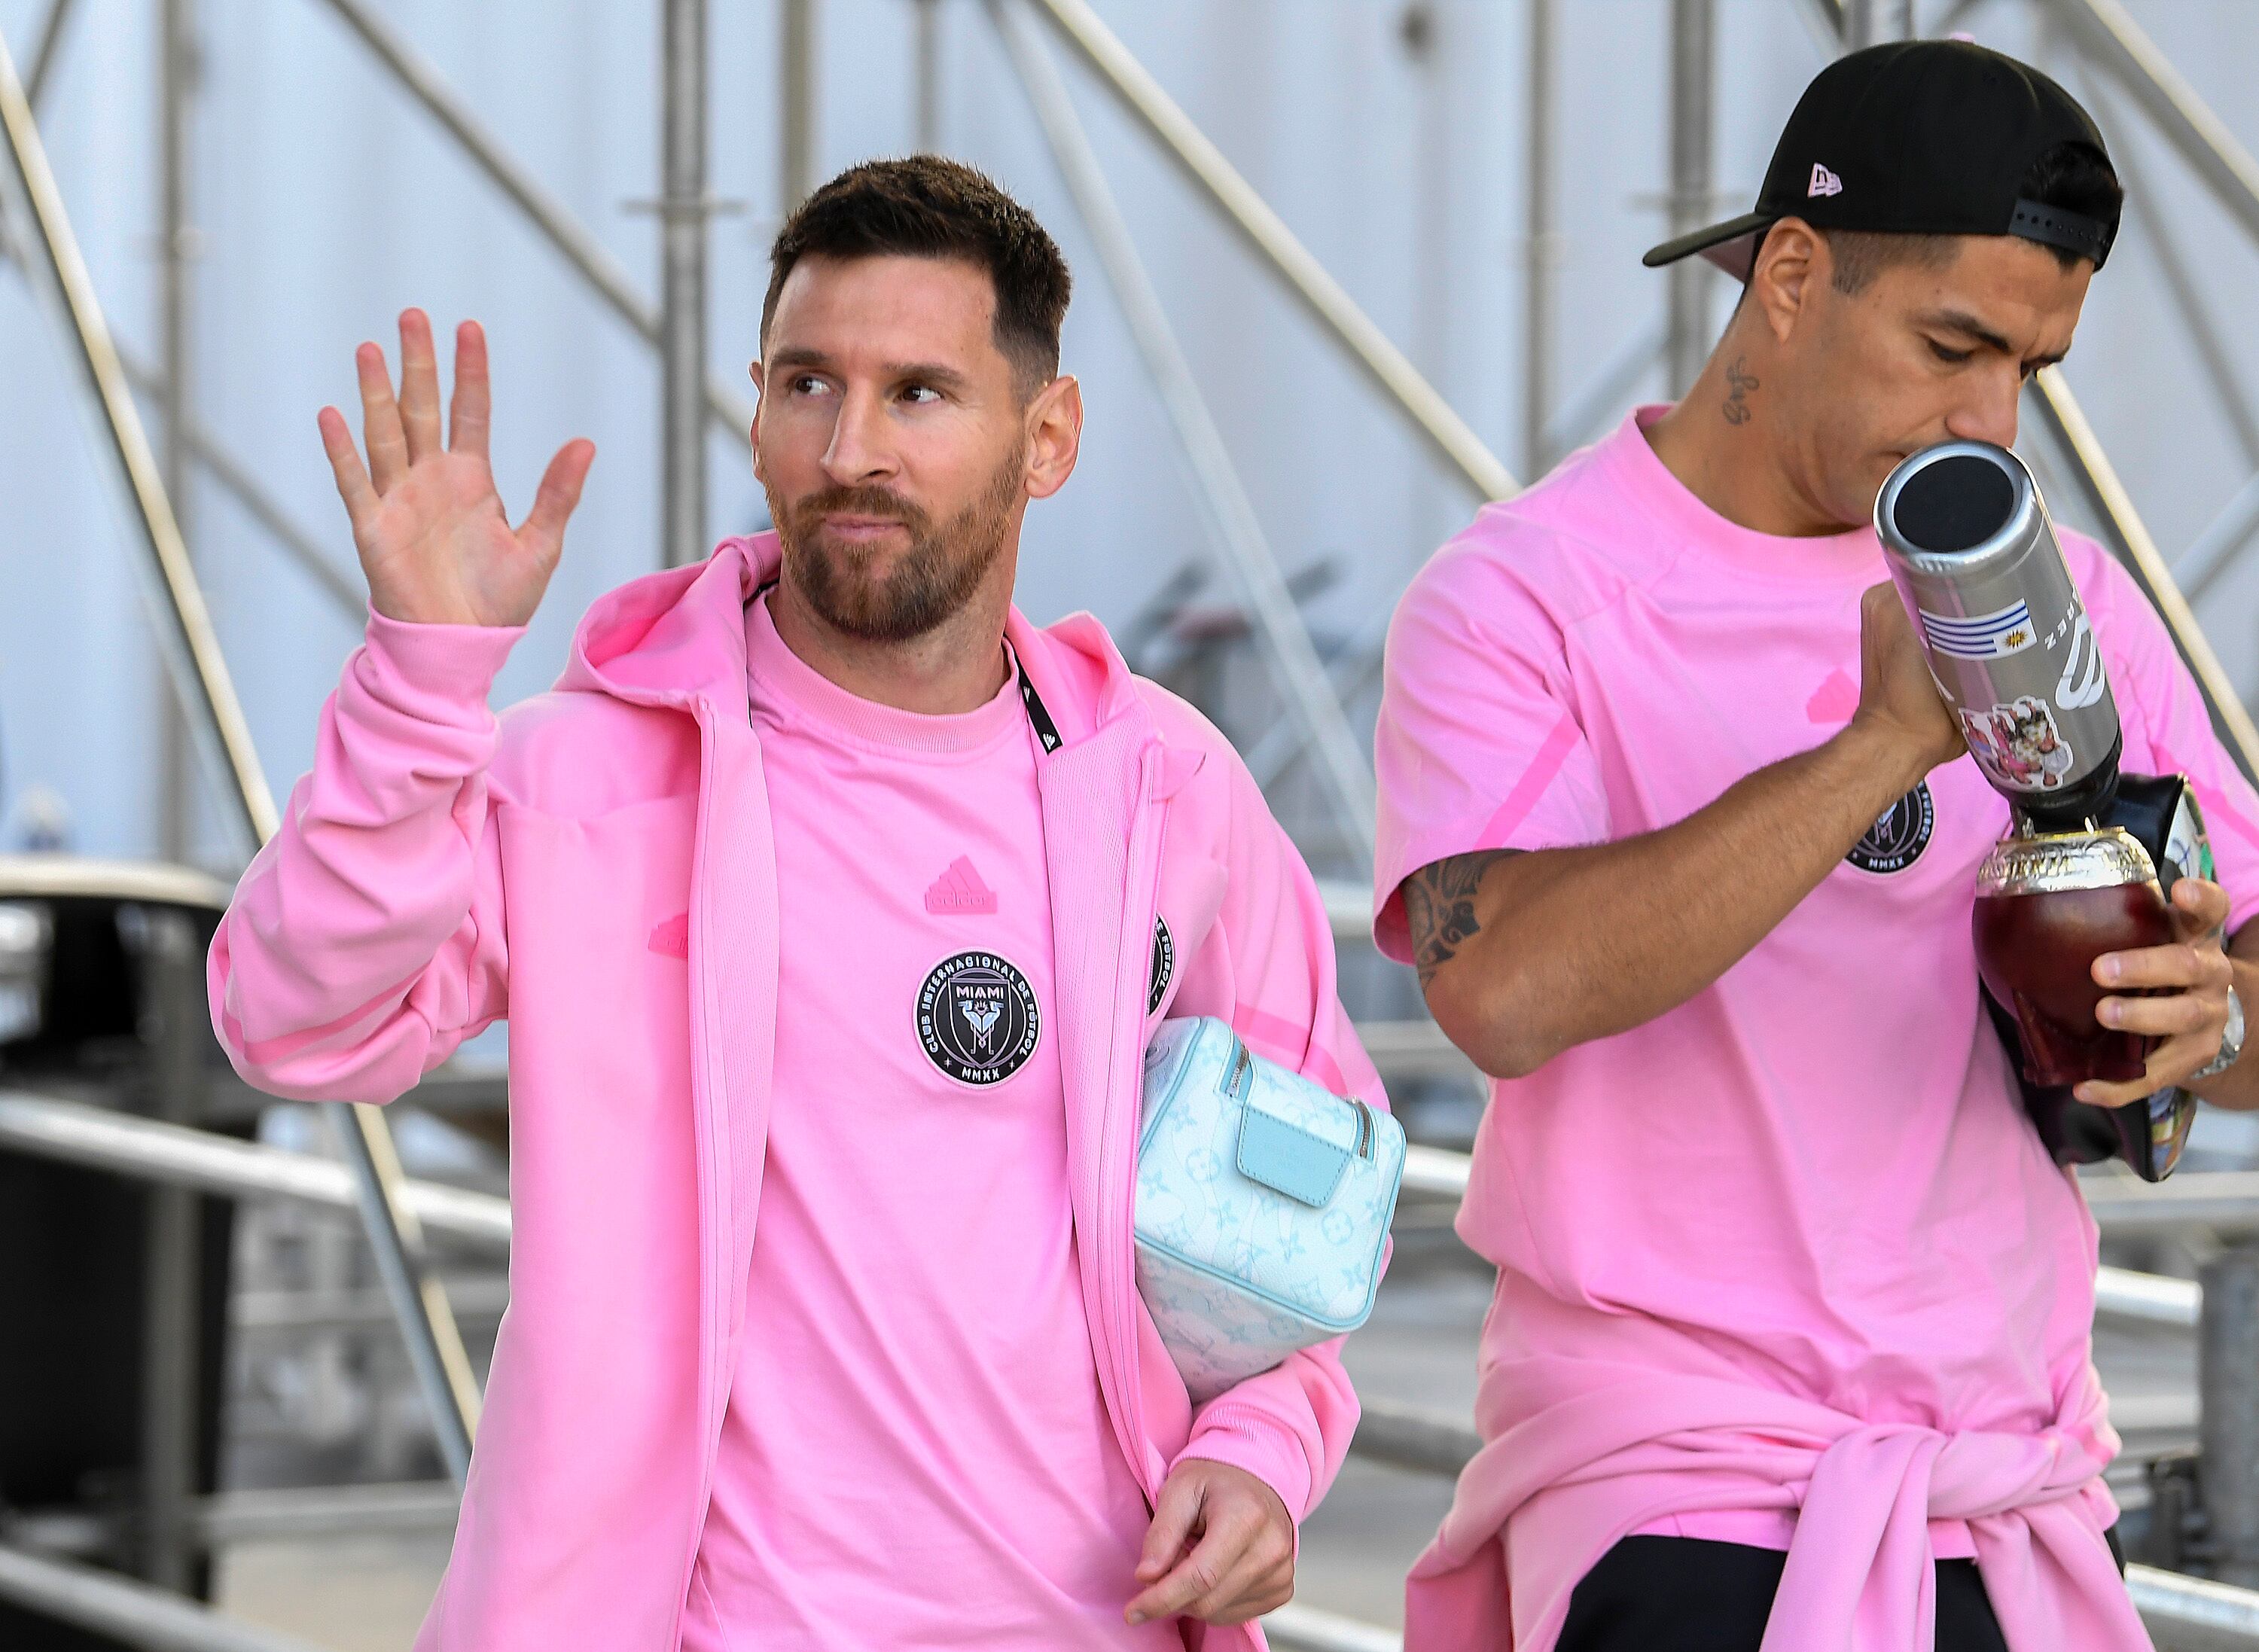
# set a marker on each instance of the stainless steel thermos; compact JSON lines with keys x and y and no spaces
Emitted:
{"x":1974,"y":555}
{"x":2092,"y":855}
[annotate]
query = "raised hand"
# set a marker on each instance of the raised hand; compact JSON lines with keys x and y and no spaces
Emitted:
{"x":426,"y":518}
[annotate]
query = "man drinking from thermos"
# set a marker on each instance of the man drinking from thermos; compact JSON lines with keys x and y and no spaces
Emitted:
{"x":1681,"y":825}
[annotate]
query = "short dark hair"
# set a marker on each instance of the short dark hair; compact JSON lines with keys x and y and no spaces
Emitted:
{"x":925,"y":206}
{"x":2072,"y":177}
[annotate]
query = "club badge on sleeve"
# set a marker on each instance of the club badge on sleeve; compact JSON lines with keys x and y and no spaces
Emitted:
{"x":1164,"y":965}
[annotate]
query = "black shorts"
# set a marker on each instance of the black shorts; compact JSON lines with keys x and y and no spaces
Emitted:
{"x":1690,"y":1594}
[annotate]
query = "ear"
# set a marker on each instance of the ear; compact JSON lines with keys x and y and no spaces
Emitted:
{"x":1793,"y":266}
{"x":758,"y":375}
{"x":1054,"y":428}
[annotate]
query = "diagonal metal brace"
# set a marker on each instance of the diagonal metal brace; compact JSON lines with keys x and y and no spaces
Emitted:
{"x":543,"y":211}
{"x":1264,"y":231}
{"x":201,"y":683}
{"x":1238,"y":532}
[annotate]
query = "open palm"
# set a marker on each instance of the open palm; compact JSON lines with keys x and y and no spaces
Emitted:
{"x":426,"y":518}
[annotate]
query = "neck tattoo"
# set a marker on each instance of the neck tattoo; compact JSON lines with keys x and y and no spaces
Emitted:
{"x":1737,"y":407}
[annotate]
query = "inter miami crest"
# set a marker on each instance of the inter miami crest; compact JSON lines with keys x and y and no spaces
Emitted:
{"x":977,"y":1018}
{"x":1896,"y":840}
{"x":1165,"y":965}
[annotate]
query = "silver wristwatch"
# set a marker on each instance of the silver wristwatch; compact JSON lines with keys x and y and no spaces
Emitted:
{"x":2231,"y":1044}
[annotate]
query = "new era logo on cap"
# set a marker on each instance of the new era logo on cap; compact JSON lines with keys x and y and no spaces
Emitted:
{"x":1823,"y":183}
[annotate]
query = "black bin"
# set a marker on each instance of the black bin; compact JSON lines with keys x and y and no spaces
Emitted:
{"x":81,"y":1017}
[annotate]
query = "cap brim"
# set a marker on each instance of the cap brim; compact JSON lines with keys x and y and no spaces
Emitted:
{"x":1731,"y":246}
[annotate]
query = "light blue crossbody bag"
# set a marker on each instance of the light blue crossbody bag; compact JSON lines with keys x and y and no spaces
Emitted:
{"x":1263,"y":1205}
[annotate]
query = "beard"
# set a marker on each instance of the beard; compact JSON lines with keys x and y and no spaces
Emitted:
{"x":931,"y":581}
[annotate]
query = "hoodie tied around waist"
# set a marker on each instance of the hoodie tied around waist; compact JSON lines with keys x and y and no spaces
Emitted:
{"x":1586,"y":1452}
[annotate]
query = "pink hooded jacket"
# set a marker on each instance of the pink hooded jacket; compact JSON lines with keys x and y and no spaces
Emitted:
{"x":438,"y":870}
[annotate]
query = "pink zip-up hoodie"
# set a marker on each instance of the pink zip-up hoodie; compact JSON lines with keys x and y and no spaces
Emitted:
{"x":440,"y":871}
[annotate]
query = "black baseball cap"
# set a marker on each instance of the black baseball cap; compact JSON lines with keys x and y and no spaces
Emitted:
{"x":1917,"y":137}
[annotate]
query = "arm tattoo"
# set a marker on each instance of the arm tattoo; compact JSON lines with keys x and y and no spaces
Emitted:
{"x":1439,"y":906}
{"x":1743,"y":382}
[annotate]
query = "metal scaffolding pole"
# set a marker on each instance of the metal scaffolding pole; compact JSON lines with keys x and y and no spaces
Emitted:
{"x":1616,"y":383}
{"x":1237,"y":530}
{"x":1955,"y":17}
{"x":797,"y":106}
{"x":540,"y":209}
{"x":2107,"y":33}
{"x":1352,"y":672}
{"x":419,"y":1300}
{"x":2211,"y":353}
{"x":201,"y":680}
{"x":1267,"y":235}
{"x":682,"y":215}
{"x":171,"y":1362}
{"x":928,"y":48}
{"x":1851,"y":23}
{"x":2213,"y":357}
{"x":350,"y":600}
{"x":44,"y":51}
{"x":1543,"y":248}
{"x":206,"y":447}
{"x":2228,"y":1411}
{"x":1872,"y":22}
{"x":2066,"y":422}
{"x":1694,"y":53}
{"x":1825,"y":17}
{"x":76,"y":1133}
{"x":2215,"y":550}
{"x":51,"y":259}
{"x":1295,"y":1628}
{"x":132,"y":1613}
{"x":176,"y":71}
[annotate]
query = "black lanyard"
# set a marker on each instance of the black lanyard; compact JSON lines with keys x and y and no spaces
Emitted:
{"x":1046,"y":731}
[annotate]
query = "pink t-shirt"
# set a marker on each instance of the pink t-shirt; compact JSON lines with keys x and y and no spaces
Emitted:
{"x":1815,"y":1177}
{"x":915,"y":1336}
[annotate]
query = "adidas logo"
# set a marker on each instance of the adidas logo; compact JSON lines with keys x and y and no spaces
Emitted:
{"x":959,"y":889}
{"x":1823,"y":183}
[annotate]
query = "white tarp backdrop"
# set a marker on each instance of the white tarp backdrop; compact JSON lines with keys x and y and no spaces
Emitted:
{"x":324,"y":201}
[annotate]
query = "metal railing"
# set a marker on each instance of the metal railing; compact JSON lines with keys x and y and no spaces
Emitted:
{"x":76,"y":1133}
{"x":295,"y":1513}
{"x":2227,"y":1201}
{"x":2220,"y":1201}
{"x":2193,"y":1614}
{"x":205,"y":693}
{"x":1409,"y":1437}
{"x":1295,"y":1628}
{"x":178,"y":1156}
{"x":153,"y":1619}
